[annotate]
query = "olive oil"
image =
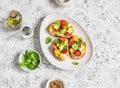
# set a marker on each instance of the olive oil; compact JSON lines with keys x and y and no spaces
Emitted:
{"x":13,"y":22}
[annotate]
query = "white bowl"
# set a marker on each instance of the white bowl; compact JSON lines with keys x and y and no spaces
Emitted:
{"x":20,"y":60}
{"x":63,"y":3}
{"x":55,"y":78}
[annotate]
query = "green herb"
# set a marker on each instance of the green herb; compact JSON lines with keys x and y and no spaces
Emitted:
{"x":65,"y":46}
{"x":58,"y":41}
{"x":75,"y":63}
{"x":48,"y":40}
{"x":30,"y":60}
{"x":78,"y":44}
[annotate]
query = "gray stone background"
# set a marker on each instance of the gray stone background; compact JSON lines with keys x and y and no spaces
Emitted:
{"x":101,"y":20}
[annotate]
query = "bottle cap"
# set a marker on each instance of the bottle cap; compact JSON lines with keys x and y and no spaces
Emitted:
{"x":13,"y":13}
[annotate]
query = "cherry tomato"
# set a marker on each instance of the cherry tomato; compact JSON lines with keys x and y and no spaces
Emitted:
{"x":65,"y":51}
{"x":54,"y":46}
{"x":56,"y":30}
{"x":71,"y":42}
{"x":77,"y":52}
{"x":68,"y":34}
{"x":62,"y":38}
{"x":63,"y":22}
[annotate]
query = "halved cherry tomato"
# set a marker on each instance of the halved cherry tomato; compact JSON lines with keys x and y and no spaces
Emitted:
{"x":62,"y":38}
{"x":56,"y":30}
{"x":54,"y":46}
{"x":63,"y":22}
{"x":71,"y":42}
{"x":77,"y":52}
{"x":68,"y":34}
{"x":65,"y":51}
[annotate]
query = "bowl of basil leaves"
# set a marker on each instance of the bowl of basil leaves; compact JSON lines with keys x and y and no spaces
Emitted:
{"x":29,"y":60}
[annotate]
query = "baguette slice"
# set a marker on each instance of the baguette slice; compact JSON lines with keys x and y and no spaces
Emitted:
{"x":61,"y":28}
{"x":77,"y":47}
{"x":61,"y":48}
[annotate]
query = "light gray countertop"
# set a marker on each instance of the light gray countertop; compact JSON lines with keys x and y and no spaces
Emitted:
{"x":101,"y":20}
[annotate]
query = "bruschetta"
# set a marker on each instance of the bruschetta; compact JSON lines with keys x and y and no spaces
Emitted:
{"x":61,"y":48}
{"x":61,"y":28}
{"x":77,"y":47}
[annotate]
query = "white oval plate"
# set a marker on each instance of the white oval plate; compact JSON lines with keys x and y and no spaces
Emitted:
{"x":47,"y":48}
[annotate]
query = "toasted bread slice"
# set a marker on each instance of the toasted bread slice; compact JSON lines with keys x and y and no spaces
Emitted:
{"x":61,"y":48}
{"x":77,"y":47}
{"x":61,"y":28}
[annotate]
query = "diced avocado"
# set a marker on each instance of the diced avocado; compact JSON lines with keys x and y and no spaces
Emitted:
{"x":68,"y":24}
{"x":61,"y":47}
{"x":71,"y":50}
{"x":62,"y":56}
{"x":70,"y":30}
{"x":81,"y":47}
{"x":59,"y":34}
{"x":63,"y":31}
{"x":74,"y":46}
{"x":56,"y":24}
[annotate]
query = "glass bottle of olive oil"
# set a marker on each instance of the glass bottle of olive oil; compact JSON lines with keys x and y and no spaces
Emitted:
{"x":13,"y":22}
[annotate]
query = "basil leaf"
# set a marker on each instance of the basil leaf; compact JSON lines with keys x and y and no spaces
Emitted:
{"x":58,"y":41}
{"x":27,"y":53}
{"x":35,"y":63}
{"x":21,"y":64}
{"x":24,"y":57}
{"x":75,"y":63}
{"x":78,"y":44}
{"x":48,"y":40}
{"x":65,"y":46}
{"x":29,"y":66}
{"x":28,"y":61}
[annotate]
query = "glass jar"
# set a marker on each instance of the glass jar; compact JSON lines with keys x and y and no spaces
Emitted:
{"x":13,"y":22}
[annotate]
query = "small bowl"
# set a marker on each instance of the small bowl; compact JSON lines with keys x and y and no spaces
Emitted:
{"x":55,"y":78}
{"x":20,"y":60}
{"x":63,"y":2}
